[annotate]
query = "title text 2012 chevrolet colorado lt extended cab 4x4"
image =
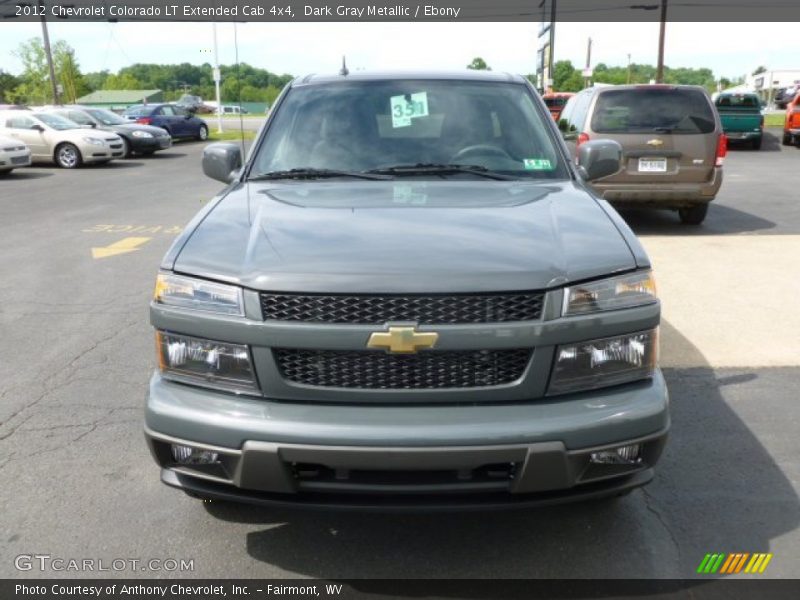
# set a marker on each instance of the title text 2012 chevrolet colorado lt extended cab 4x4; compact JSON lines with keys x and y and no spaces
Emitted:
{"x":407,"y":297}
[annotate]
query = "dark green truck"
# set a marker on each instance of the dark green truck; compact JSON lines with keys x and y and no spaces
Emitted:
{"x":741,"y":117}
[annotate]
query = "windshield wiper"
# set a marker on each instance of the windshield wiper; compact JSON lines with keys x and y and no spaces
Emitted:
{"x":441,"y":169}
{"x":309,"y":173}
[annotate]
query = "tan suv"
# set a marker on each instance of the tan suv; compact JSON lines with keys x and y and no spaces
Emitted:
{"x":672,"y":143}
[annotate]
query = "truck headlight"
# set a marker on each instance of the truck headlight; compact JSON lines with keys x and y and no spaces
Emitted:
{"x":624,"y":291}
{"x":205,"y":362}
{"x":604,"y":362}
{"x":197,"y":294}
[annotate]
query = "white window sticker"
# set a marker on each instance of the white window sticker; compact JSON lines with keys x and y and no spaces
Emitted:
{"x":537,"y":164}
{"x":407,"y":107}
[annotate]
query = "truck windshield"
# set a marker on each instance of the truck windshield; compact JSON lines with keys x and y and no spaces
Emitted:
{"x":410,"y":128}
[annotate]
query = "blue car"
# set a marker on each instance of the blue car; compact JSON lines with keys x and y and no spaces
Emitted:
{"x":178,"y":122}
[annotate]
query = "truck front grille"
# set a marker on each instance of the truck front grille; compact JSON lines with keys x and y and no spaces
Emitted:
{"x":378,"y":309}
{"x":382,"y":371}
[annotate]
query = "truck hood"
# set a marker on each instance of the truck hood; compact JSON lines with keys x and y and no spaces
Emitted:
{"x":403,"y":236}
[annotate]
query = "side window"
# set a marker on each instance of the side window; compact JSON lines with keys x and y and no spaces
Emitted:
{"x":20,"y":123}
{"x":166,"y":110}
{"x":578,"y":119}
{"x":78,"y":117}
{"x":566,"y":123}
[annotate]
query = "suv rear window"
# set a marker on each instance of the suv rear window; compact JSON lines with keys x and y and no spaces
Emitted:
{"x":645,"y":110}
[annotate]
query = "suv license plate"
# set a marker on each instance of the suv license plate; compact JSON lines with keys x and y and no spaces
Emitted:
{"x":652,"y":165}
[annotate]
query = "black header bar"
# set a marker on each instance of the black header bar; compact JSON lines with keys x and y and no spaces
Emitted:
{"x":399,"y":10}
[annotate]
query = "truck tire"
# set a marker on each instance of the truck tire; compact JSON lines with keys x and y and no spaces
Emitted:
{"x":756,"y":143}
{"x":787,"y":139}
{"x":693,"y":215}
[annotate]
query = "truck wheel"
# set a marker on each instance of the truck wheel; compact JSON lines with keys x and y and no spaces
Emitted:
{"x":68,"y":156}
{"x":756,"y":143}
{"x":693,"y":215}
{"x":787,"y":139}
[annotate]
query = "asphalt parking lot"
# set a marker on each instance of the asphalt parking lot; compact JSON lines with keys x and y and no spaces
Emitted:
{"x":80,"y":250}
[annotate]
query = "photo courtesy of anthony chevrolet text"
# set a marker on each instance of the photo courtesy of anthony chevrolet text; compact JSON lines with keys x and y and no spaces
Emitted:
{"x":351,"y":300}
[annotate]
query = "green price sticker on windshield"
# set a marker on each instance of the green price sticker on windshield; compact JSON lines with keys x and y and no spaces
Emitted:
{"x":537,"y":164}
{"x":407,"y":107}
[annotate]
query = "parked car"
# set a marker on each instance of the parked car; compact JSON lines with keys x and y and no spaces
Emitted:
{"x":234,"y":110}
{"x":785,"y":95}
{"x":672,"y":141}
{"x":194,"y":104}
{"x":52,"y":138}
{"x":741,"y":117}
{"x":791,"y":124}
{"x":352,"y":321}
{"x":178,"y":122}
{"x":136,"y":138}
{"x":556,"y":101}
{"x":13,"y":155}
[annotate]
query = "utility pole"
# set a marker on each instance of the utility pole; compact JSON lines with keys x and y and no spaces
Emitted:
{"x":49,"y":55}
{"x":629,"y":67}
{"x":551,"y":62}
{"x":662,"y":31}
{"x":588,"y":62}
{"x":216,"y":80}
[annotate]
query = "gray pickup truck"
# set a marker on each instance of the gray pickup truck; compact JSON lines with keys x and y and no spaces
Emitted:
{"x":407,"y":297}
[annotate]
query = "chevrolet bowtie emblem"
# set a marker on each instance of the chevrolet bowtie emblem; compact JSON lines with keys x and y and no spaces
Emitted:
{"x":654,"y":142}
{"x":402,"y":340}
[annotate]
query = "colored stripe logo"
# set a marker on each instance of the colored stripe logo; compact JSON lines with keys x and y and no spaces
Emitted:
{"x":738,"y":562}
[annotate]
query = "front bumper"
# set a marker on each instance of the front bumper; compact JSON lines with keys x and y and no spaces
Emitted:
{"x":150,"y":144}
{"x":15,"y":159}
{"x":481,"y":456}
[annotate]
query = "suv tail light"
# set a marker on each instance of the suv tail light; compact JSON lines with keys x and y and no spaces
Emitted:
{"x":582,"y":138}
{"x":144,"y":120}
{"x":722,"y":149}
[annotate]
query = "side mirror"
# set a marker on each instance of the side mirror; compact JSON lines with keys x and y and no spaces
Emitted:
{"x":221,"y":161}
{"x":38,"y":128}
{"x":599,"y":158}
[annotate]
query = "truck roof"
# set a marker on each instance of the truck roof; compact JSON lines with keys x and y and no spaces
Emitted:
{"x":463,"y":75}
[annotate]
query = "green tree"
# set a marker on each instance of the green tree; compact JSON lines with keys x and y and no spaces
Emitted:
{"x":35,"y":84}
{"x":478,"y":64}
{"x":8,"y":83}
{"x":759,"y":70}
{"x":68,"y":72}
{"x":95,"y":81}
{"x":123,"y":81}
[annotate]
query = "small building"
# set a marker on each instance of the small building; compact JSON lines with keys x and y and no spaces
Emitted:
{"x":767,"y":84}
{"x":121,"y":99}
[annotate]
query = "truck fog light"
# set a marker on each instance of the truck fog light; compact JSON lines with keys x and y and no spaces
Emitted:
{"x":624,"y":455}
{"x":186,"y":455}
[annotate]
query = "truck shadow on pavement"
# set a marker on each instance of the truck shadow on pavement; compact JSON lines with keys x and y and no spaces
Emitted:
{"x":721,"y":220}
{"x":717,"y":489}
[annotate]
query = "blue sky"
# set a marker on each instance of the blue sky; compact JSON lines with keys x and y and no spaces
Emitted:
{"x":730,"y":49}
